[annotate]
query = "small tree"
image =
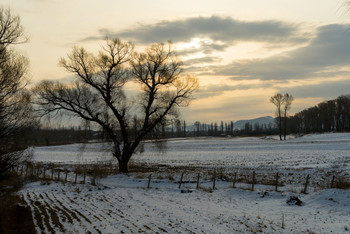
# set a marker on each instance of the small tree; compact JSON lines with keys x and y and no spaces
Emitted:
{"x":278,"y":101}
{"x":287,"y":102}
{"x":15,"y":105}
{"x":283,"y":104}
{"x":98,"y":94}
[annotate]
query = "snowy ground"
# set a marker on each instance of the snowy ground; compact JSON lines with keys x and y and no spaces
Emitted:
{"x":311,"y":151}
{"x":322,"y":156}
{"x":122,"y":203}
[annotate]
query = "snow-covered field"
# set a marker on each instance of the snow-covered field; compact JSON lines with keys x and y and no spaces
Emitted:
{"x":320,"y":155}
{"x":317,"y":151}
{"x":121,"y":203}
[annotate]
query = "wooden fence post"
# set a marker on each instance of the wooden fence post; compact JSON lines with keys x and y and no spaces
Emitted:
{"x":65,"y":179}
{"x":26,"y":170}
{"x":58,"y":176}
{"x":44,"y":173}
{"x":214,"y":178}
{"x":149,"y":181}
{"x":332,"y":182}
{"x":38,"y":172}
{"x":276,"y":186}
{"x":234,"y":180}
{"x":84,"y":176}
{"x":306,"y":184}
{"x":76,"y":177}
{"x":197,"y":187}
{"x":180,"y":183}
{"x":253,"y":182}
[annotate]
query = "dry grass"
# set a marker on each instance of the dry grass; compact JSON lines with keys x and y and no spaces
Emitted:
{"x":140,"y":175}
{"x":342,"y":182}
{"x":80,"y":169}
{"x":206,"y":189}
{"x":225,"y":177}
{"x":99,"y":170}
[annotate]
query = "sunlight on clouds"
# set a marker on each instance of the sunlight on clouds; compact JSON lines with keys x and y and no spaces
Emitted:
{"x":246,"y":50}
{"x":243,"y":98}
{"x":231,"y":106}
{"x":241,"y":54}
{"x":194,"y":43}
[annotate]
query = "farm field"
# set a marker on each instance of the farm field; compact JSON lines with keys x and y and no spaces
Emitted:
{"x":123,"y":204}
{"x":310,"y":151}
{"x":324,"y":150}
{"x":319,"y":155}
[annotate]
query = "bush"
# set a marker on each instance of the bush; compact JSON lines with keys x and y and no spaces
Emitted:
{"x":15,"y":216}
{"x":11,"y":160}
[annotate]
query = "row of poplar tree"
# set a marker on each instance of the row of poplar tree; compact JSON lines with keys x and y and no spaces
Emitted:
{"x":327,"y":116}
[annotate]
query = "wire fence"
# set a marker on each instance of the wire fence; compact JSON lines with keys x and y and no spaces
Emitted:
{"x":190,"y":179}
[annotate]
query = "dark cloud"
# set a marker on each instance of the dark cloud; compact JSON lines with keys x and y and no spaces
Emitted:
{"x":214,"y":90}
{"x":327,"y":90}
{"x":330,"y":49}
{"x":217,"y":28}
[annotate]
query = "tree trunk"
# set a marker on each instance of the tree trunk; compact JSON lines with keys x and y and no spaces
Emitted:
{"x":284,"y":126}
{"x":280,"y":126}
{"x":123,"y":166}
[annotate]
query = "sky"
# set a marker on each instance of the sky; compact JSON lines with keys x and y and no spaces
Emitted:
{"x":242,"y":52}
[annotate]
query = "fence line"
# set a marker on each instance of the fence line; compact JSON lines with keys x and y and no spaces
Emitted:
{"x":72,"y":175}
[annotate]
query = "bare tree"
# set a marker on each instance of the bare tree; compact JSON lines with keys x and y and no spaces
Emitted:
{"x":278,"y":101}
{"x":15,"y":105}
{"x":283,"y":104}
{"x":287,"y":103}
{"x":98,"y":93}
{"x":346,"y":6}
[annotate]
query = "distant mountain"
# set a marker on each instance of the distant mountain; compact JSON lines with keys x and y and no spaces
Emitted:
{"x":261,"y":121}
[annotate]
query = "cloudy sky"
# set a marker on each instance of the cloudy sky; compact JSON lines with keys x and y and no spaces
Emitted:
{"x":243,"y":52}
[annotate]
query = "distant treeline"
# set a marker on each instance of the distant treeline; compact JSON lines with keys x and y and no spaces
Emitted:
{"x":223,"y":129}
{"x":57,"y":136}
{"x":228,"y":129}
{"x":327,"y":116}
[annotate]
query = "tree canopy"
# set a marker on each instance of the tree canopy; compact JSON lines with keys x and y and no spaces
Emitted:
{"x":15,"y":105}
{"x":99,"y":93}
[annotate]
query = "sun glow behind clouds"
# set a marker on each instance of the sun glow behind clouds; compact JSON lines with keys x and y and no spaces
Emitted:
{"x":193,"y":44}
{"x":233,"y":47}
